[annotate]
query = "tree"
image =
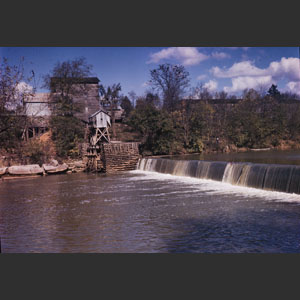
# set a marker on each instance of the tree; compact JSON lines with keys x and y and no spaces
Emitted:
{"x":221,"y":95}
{"x":14,"y":90}
{"x":152,"y":98}
{"x":156,"y":127}
{"x":273,"y":92}
{"x":126,"y":105}
{"x":63,"y":83}
{"x":171,"y":81}
{"x":112,"y":98}
{"x":132,"y":95}
{"x":200,"y":92}
{"x":289,"y":96}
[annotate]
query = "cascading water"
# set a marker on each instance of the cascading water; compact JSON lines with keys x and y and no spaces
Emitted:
{"x":282,"y":178}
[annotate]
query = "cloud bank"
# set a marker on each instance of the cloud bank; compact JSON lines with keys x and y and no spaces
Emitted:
{"x":246,"y":75}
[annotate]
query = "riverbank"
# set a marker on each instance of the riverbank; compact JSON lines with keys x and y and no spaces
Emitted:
{"x":19,"y":171}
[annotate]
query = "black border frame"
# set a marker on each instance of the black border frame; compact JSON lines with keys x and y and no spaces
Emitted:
{"x":150,"y":24}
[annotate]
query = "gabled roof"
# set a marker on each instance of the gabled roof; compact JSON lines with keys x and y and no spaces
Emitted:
{"x":97,"y":112}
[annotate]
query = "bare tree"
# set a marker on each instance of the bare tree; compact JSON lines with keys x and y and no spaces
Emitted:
{"x":132,"y":96}
{"x":221,"y":95}
{"x":251,"y":94}
{"x":67,"y":84}
{"x":171,"y":81}
{"x":200,"y":92}
{"x":111,"y":97}
{"x":14,"y":90}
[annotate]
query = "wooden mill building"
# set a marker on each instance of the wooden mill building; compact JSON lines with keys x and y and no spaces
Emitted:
{"x":39,"y":107}
{"x":102,"y":153}
{"x":85,"y":92}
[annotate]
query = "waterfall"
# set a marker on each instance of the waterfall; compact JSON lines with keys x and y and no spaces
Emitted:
{"x":282,"y":178}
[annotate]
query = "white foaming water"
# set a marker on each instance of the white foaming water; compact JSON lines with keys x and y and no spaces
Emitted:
{"x":85,"y":201}
{"x":217,"y":188}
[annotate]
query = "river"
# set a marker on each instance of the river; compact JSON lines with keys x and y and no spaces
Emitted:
{"x":146,"y":212}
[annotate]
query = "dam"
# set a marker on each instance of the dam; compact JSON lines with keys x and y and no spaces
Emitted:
{"x":272,"y":177}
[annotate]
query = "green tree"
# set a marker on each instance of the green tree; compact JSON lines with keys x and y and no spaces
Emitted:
{"x":67,"y":134}
{"x":126,"y":105}
{"x":274,"y":92}
{"x":155,"y":126}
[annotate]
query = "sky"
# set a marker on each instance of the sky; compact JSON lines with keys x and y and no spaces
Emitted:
{"x":229,"y":69}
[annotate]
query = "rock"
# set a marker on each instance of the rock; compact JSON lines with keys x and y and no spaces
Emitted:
{"x":49,"y":169}
{"x":79,"y":164}
{"x":25,"y":170}
{"x":54,"y":162}
{"x":3,"y":171}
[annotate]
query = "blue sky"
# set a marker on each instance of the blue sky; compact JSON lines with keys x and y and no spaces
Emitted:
{"x":229,"y":69}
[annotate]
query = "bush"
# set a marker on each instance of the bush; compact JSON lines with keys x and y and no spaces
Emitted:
{"x":67,"y":134}
{"x":36,"y":152}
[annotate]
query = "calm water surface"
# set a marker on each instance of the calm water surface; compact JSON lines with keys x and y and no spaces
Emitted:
{"x":290,"y":157}
{"x":144,"y":212}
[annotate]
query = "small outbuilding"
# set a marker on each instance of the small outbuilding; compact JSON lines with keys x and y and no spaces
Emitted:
{"x":99,"y":122}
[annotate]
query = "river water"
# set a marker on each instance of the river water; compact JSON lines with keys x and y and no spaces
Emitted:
{"x":290,"y":157}
{"x":141,"y":211}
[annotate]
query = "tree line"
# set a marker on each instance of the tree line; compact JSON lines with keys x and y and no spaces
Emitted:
{"x":175,"y":121}
{"x":171,"y":117}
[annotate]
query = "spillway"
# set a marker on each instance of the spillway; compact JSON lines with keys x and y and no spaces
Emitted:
{"x":273,"y":177}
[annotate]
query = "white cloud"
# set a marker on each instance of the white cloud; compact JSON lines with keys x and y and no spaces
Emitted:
{"x":244,"y":68}
{"x":201,"y":77}
{"x":211,"y":85}
{"x":248,"y":82}
{"x":188,"y":56}
{"x":23,"y":87}
{"x":145,"y":84}
{"x":220,"y":55}
{"x":294,"y":87}
{"x":285,"y":68}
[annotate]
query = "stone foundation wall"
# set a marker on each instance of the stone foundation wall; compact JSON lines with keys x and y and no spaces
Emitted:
{"x":120,"y":156}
